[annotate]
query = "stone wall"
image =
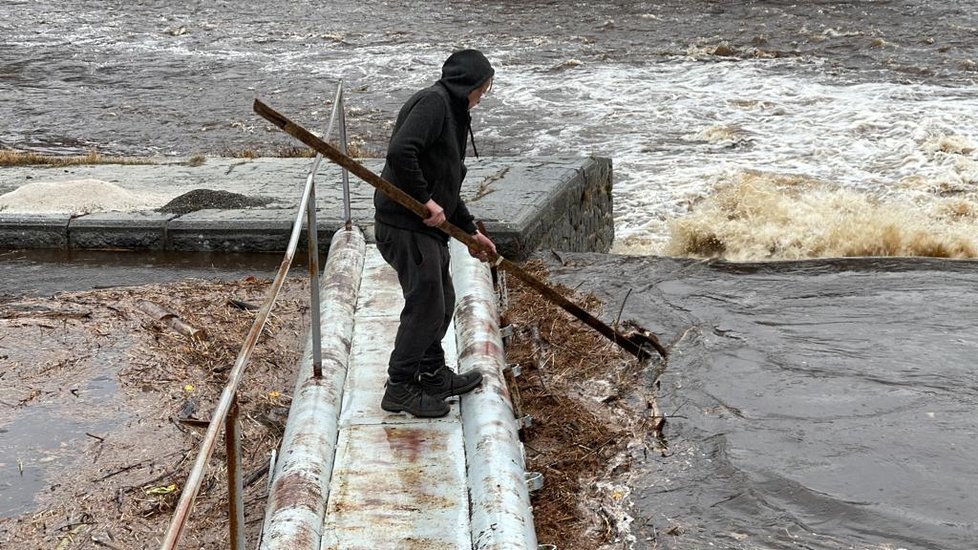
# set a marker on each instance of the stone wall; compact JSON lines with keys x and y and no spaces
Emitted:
{"x":581,"y":217}
{"x":576,"y":216}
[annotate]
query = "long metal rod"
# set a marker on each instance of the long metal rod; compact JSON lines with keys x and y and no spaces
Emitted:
{"x":232,"y":437}
{"x":314,"y":306}
{"x":625,"y":342}
{"x":347,"y":213}
{"x":313,"y":232}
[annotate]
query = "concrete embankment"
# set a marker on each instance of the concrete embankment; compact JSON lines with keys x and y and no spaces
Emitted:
{"x":526,"y":204}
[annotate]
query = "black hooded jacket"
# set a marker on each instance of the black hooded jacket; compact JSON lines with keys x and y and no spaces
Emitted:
{"x":426,"y":155}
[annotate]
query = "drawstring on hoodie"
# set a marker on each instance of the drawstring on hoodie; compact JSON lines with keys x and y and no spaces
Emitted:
{"x":471,"y":135}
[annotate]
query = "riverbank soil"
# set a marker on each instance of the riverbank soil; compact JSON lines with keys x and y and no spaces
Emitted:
{"x":593,"y":413}
{"x":105,"y":403}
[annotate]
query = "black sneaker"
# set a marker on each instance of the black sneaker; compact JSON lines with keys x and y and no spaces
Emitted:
{"x":444,"y":383}
{"x":410,"y":398}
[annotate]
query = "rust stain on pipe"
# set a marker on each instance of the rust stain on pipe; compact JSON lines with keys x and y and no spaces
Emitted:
{"x":501,"y":515}
{"x":297,"y":499}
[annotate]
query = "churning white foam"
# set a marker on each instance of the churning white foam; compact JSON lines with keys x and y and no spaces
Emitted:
{"x":677,"y":127}
{"x":674,"y":129}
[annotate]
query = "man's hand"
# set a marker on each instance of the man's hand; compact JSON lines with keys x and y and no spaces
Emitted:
{"x":486,"y":245}
{"x":436,"y":214}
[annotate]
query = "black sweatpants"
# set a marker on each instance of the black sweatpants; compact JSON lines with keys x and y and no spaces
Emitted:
{"x":422,"y":265}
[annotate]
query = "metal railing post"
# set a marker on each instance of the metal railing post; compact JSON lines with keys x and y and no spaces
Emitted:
{"x":314,"y":306}
{"x":313,"y":232}
{"x":347,"y":215}
{"x":232,"y":439}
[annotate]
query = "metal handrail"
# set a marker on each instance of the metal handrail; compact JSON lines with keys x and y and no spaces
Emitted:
{"x":228,"y":401}
{"x":338,"y":112}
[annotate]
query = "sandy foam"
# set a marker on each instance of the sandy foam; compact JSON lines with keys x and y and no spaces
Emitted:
{"x":763,"y":216}
{"x":83,"y":196}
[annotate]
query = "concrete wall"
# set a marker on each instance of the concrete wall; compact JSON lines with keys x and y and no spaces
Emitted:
{"x":526,"y":204}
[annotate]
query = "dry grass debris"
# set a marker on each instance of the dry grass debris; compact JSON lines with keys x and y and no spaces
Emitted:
{"x":593,"y":410}
{"x":10,"y":157}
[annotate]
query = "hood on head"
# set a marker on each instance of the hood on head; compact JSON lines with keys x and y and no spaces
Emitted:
{"x":464,"y":71}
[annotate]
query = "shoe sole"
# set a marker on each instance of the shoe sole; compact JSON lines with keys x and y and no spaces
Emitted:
{"x":396,"y":408}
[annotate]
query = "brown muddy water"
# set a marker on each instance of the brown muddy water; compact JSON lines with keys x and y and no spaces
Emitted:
{"x":816,"y":404}
{"x":47,"y":272}
{"x":86,"y":405}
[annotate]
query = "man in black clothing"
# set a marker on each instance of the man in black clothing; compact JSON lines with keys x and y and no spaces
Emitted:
{"x":425,"y":159}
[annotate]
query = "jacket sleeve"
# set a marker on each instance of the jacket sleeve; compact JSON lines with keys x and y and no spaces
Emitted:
{"x":421,"y":127}
{"x":463,"y":219}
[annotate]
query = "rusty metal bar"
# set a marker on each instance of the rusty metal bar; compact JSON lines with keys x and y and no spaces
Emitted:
{"x":314,"y":309}
{"x":232,"y":440}
{"x":338,"y":112}
{"x":339,"y":107}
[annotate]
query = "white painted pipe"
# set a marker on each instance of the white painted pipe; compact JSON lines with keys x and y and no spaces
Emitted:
{"x":297,"y":499}
{"x":501,"y":514}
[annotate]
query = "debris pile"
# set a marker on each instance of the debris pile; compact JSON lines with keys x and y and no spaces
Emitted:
{"x":593,"y":409}
{"x":115,"y":482}
{"x":201,"y":199}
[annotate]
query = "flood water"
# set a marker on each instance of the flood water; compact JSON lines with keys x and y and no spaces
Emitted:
{"x":817,"y":404}
{"x":821,"y":404}
{"x":47,"y":272}
{"x":51,"y":433}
